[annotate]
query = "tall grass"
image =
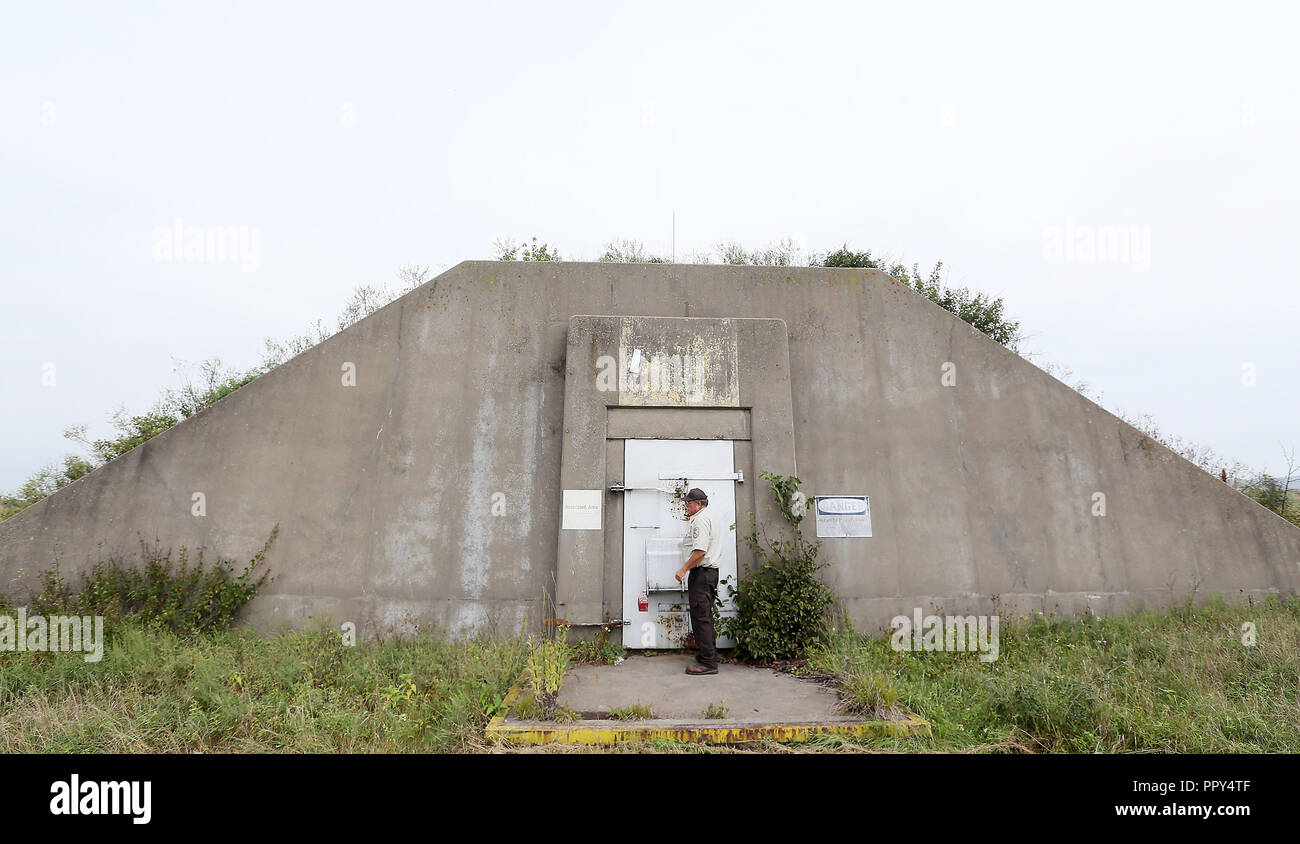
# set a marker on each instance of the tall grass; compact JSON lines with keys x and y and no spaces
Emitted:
{"x":1180,"y":680}
{"x":238,"y":691}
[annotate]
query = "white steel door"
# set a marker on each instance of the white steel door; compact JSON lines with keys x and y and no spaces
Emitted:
{"x":657,"y":475}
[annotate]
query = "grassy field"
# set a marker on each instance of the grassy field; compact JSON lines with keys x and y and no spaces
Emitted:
{"x":238,"y":691}
{"x":1178,"y":681}
{"x":1174,"y":681}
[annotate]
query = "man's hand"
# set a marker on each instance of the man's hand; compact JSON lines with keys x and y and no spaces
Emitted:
{"x":697,"y":557}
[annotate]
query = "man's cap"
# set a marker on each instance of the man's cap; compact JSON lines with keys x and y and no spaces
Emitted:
{"x":697,"y":494}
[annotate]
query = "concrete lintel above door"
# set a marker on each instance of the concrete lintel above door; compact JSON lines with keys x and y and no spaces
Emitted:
{"x":694,"y":423}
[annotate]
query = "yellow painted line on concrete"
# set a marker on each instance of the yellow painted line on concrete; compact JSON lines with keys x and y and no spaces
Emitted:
{"x":586,"y":732}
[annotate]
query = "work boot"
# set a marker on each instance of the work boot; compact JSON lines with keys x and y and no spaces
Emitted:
{"x":700,"y":669}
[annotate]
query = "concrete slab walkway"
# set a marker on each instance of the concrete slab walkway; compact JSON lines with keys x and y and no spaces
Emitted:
{"x":761,"y":702}
{"x":751,"y":694}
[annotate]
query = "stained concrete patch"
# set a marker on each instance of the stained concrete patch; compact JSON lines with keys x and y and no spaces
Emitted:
{"x":761,"y":703}
{"x":751,"y":694}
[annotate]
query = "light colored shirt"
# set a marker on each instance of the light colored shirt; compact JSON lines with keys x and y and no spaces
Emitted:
{"x":705,"y":534}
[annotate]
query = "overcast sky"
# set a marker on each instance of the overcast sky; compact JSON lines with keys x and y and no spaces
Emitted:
{"x":346,"y":139}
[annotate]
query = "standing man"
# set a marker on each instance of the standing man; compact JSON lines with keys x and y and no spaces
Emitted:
{"x":705,"y":536}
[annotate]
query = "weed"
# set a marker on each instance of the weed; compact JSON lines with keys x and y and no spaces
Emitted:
{"x":183,"y":596}
{"x":548,"y":660}
{"x":866,"y":692}
{"x":631,"y":712}
{"x":600,"y":652}
{"x":527,"y":708}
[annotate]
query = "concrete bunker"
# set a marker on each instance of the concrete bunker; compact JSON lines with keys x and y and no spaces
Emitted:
{"x":419,"y":462}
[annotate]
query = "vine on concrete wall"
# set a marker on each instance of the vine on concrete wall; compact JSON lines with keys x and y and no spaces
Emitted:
{"x":781,"y":605}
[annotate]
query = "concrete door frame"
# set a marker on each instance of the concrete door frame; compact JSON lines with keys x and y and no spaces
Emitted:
{"x":736,"y":386}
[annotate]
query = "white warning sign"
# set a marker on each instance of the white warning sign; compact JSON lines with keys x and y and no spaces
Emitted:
{"x":843,"y":515}
{"x":581,"y":510}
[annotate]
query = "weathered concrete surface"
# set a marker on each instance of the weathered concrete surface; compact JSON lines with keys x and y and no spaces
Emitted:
{"x":388,"y":493}
{"x":751,"y":694}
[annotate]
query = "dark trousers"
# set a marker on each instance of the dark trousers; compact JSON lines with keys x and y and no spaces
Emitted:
{"x":702,"y":587}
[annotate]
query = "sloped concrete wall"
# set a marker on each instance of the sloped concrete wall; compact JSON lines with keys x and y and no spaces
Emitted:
{"x":430,"y":489}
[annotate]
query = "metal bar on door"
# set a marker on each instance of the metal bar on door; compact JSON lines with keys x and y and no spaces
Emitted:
{"x":738,"y":477}
{"x":622,"y":488}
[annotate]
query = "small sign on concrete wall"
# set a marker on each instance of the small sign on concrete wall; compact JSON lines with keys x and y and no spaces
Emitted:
{"x":843,"y":516}
{"x":581,"y":509}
